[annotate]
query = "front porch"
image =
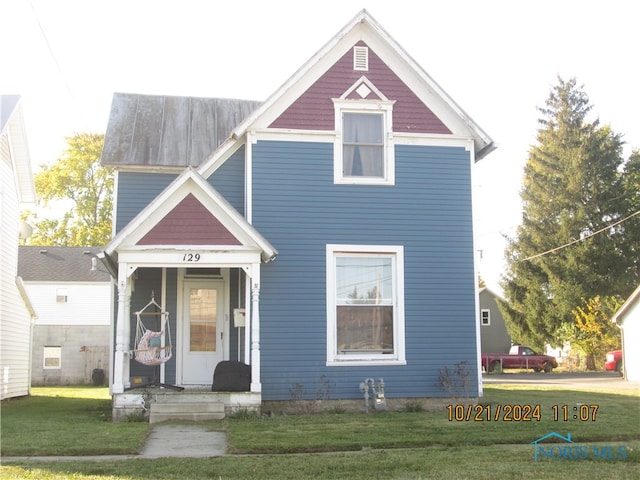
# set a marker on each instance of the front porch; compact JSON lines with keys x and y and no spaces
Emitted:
{"x":199,"y":261}
{"x":159,"y":404}
{"x":179,"y":385}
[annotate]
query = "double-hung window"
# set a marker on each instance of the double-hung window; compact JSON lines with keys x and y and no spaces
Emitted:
{"x":365,"y":305}
{"x":52,"y":358}
{"x":363,"y":145}
{"x":363,"y":149}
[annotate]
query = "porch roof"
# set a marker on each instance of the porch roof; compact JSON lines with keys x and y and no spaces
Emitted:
{"x":189,"y":224}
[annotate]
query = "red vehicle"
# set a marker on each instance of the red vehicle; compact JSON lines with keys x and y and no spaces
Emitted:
{"x":613,"y":361}
{"x":518,"y":357}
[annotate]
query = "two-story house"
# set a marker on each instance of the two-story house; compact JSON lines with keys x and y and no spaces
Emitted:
{"x":322,"y":237}
{"x":17,"y":192}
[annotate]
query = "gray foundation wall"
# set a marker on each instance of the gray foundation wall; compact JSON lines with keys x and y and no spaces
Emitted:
{"x":84,"y":349}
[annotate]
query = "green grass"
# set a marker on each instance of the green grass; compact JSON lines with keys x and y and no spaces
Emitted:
{"x":67,"y":421}
{"x":504,"y":462}
{"x":416,"y":445}
{"x":617,"y":418}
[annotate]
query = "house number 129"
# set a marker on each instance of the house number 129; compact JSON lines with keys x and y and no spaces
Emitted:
{"x":191,"y":257}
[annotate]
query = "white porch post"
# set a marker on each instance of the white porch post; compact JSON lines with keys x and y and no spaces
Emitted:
{"x":121,"y":317}
{"x":121,"y":363}
{"x":256,"y":385}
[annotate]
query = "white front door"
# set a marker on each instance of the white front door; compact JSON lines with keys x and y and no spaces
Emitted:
{"x":202,"y":330}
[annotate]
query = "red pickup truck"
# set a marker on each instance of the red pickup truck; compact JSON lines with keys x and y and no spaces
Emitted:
{"x":518,"y":357}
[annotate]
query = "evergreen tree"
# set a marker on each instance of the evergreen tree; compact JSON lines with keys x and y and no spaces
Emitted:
{"x":630,"y":229}
{"x":562,"y":252}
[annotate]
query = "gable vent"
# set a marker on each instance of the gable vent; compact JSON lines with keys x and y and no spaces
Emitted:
{"x":361,"y":58}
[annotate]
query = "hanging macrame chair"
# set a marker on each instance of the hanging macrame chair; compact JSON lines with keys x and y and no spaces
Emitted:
{"x":153,"y":347}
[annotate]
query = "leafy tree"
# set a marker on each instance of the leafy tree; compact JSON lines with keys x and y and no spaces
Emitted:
{"x":79,"y":180}
{"x":563,"y":252}
{"x":593,"y":333}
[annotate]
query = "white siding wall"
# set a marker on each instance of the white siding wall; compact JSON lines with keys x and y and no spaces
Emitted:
{"x":631,"y":328}
{"x":15,"y":320}
{"x":87,"y":303}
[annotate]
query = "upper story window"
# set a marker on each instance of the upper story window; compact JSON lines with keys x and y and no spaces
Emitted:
{"x":363,"y":145}
{"x":62,"y":295}
{"x":485,"y":317}
{"x":363,"y":150}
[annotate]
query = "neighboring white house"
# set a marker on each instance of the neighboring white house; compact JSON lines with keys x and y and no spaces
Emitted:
{"x":628,"y":319}
{"x":16,"y":192}
{"x":72,"y":294}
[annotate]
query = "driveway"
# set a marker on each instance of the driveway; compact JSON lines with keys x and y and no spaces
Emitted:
{"x":590,"y":380}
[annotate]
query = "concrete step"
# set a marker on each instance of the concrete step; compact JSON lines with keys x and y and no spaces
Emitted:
{"x":163,"y":411}
{"x":188,"y":397}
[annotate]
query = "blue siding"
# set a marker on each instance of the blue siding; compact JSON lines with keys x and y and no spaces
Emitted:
{"x":229,"y":179}
{"x":237,"y":300}
{"x":299,"y":210}
{"x":150,"y":281}
{"x":136,"y":191}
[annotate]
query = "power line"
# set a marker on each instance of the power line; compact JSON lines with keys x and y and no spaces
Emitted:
{"x":580,"y":239}
{"x":53,"y":56}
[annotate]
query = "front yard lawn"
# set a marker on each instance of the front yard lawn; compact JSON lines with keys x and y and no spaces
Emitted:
{"x":407,"y":445}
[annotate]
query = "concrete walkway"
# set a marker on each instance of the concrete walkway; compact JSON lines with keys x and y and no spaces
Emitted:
{"x":164,"y":441}
{"x":183,"y":441}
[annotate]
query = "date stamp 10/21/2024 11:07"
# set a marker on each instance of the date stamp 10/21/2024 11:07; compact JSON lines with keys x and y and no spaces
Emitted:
{"x":521,"y":413}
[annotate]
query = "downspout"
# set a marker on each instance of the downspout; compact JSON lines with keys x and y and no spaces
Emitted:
{"x":112,"y":268}
{"x":254,"y":281}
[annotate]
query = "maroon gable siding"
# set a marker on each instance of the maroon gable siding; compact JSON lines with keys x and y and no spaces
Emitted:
{"x":189,"y":223}
{"x":313,"y":110}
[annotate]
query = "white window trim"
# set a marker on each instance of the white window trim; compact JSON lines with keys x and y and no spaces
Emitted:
{"x":385,"y":107}
{"x":51,"y":352}
{"x":488,"y":317}
{"x":398,"y":357}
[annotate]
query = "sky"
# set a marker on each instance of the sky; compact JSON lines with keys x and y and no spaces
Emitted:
{"x":497,"y":59}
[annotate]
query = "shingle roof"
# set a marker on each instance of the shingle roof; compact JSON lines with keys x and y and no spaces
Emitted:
{"x":60,"y":264}
{"x":167,"y":131}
